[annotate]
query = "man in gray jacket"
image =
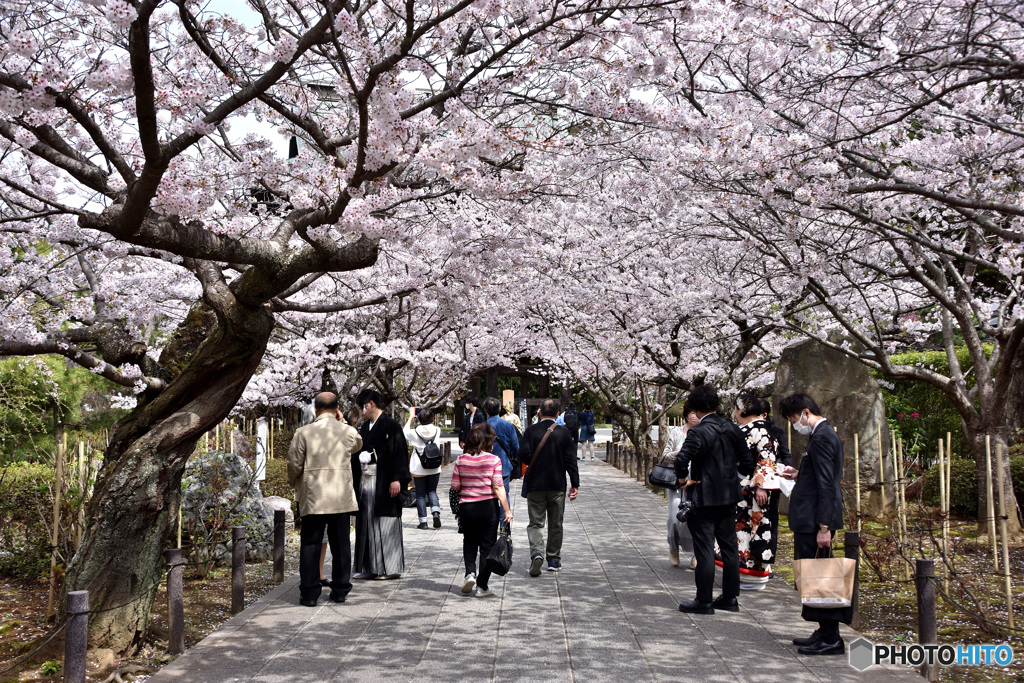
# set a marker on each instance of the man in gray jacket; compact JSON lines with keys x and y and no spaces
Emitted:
{"x":320,"y":471}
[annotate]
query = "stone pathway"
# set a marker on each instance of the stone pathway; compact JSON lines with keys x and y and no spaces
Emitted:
{"x":609,"y":615}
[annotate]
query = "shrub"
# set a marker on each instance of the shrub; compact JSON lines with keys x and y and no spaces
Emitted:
{"x":26,"y":512}
{"x":963,"y":491}
{"x":1017,"y":473}
{"x":276,"y":483}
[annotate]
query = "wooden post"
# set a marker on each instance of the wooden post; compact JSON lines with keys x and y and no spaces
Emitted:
{"x":990,"y":502}
{"x":76,"y":639}
{"x":856,"y":474}
{"x":175,"y":602}
{"x":851,"y":548}
{"x":58,"y":486}
{"x":81,"y":494}
{"x":1002,"y":532}
{"x":927,"y":629}
{"x":279,"y":545}
{"x":942,"y":494}
{"x":237,"y":569}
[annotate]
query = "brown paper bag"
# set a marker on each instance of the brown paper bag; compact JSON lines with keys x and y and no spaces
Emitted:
{"x":825,"y":582}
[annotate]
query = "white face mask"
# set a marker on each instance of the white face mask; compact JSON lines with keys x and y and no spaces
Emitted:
{"x":802,"y":428}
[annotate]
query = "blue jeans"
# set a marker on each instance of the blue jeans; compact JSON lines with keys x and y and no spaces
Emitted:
{"x":426,"y":489}
{"x":501,"y":510}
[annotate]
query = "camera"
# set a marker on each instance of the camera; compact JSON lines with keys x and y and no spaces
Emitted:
{"x":685,"y":510}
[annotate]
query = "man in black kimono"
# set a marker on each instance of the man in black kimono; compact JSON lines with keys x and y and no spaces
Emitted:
{"x":816,"y":512}
{"x":380,"y":472}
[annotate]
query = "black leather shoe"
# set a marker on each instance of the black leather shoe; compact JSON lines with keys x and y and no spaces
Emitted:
{"x":822,"y":648}
{"x":325,"y":582}
{"x":803,"y":642}
{"x":421,"y":525}
{"x":695,"y":607}
{"x":307,"y":603}
{"x":336,"y":597}
{"x":722,"y":602}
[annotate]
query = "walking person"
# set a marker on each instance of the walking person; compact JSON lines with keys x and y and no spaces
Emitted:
{"x":550,"y":452}
{"x":588,"y":432}
{"x":506,"y":443}
{"x":424,"y":478}
{"x":320,"y":470}
{"x":679,"y":538}
{"x":707,"y":465}
{"x":382,"y":473}
{"x":756,"y":536}
{"x":815,"y":512}
{"x":472,"y":417}
{"x":478,"y":478}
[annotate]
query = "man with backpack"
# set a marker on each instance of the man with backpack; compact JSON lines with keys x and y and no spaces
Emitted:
{"x":707,"y":465}
{"x":506,"y":445}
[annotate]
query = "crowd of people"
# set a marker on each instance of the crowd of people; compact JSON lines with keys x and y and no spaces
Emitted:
{"x":725,"y":510}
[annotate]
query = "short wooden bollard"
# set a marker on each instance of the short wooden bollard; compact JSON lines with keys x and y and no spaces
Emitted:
{"x":927,"y":628}
{"x":76,"y":637}
{"x":446,"y":454}
{"x":279,"y":546}
{"x":851,"y":549}
{"x":237,"y":569}
{"x":175,"y":602}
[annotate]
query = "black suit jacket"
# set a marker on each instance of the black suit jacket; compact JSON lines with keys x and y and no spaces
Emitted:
{"x":387,"y":442}
{"x":555,"y":460}
{"x":716,"y":453}
{"x":467,"y":424}
{"x":816,"y":498}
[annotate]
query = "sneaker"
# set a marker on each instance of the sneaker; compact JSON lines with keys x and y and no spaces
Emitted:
{"x":421,"y":525}
{"x":437,"y":520}
{"x":554,"y":565}
{"x":673,"y":559}
{"x":535,"y":563}
{"x":593,"y":458}
{"x":483,"y":593}
{"x":469,"y":584}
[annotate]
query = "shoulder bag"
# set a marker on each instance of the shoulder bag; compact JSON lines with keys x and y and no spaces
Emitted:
{"x":499,"y":560}
{"x":529,"y":468}
{"x":663,"y":476}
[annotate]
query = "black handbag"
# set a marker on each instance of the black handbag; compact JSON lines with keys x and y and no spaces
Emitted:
{"x":663,"y":477}
{"x":499,"y":560}
{"x":408,"y":498}
{"x":454,"y":497}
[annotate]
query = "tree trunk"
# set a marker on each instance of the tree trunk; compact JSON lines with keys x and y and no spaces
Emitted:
{"x":139,"y":486}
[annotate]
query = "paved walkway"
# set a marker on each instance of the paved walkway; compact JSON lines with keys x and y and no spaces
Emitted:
{"x":609,"y":615}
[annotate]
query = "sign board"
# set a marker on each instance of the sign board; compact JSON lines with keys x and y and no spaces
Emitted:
{"x":522,"y":413}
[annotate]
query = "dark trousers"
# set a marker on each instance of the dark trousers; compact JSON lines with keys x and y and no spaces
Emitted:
{"x":479,"y":532}
{"x":310,"y":539}
{"x":805,"y":546}
{"x":708,"y":524}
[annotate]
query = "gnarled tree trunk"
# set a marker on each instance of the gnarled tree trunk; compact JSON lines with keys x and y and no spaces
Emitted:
{"x":139,"y":486}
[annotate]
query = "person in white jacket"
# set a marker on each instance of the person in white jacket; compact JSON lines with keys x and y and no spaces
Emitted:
{"x":678,"y":535}
{"x":425,"y":480}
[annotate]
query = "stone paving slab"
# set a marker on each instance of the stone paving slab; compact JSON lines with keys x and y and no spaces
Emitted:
{"x":610,"y":615}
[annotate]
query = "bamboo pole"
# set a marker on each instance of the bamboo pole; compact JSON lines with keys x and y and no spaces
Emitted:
{"x":270,"y":438}
{"x":949,"y":470}
{"x":856,"y":473}
{"x":901,"y":478}
{"x":789,"y":436}
{"x":990,"y":507}
{"x":231,"y":430}
{"x":180,"y":504}
{"x":81,"y":494}
{"x":1002,"y":531}
{"x":58,"y":485}
{"x":881,"y":465}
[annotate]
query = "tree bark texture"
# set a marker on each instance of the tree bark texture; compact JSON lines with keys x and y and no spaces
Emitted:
{"x":139,"y":486}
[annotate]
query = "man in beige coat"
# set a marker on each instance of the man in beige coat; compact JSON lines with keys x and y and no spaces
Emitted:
{"x":320,"y":471}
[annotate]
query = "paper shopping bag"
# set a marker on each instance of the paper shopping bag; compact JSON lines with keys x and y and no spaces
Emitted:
{"x":825,"y":582}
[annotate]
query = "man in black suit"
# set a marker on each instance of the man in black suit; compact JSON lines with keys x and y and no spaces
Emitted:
{"x":715,"y":453}
{"x":544,"y":484}
{"x":472,"y":417}
{"x":815,"y":511}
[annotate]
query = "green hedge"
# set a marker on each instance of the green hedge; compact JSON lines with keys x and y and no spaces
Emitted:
{"x":964,"y":490}
{"x":26,"y":511}
{"x":276,"y":483}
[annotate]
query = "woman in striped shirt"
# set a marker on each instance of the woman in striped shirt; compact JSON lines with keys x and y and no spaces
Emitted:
{"x":477,"y":477}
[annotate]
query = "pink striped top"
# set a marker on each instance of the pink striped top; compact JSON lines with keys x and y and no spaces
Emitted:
{"x":476,"y":475}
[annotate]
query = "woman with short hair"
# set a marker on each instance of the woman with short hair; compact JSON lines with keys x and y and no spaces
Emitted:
{"x":478,"y":478}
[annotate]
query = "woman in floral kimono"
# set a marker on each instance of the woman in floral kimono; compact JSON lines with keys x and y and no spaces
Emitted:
{"x":756,"y":534}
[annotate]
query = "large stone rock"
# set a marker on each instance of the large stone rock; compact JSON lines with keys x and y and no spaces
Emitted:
{"x":220,"y":491}
{"x":851,"y":399}
{"x":279,"y":503}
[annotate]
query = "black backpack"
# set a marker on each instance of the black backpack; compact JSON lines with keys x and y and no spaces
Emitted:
{"x":572,"y":420}
{"x":430,"y":458}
